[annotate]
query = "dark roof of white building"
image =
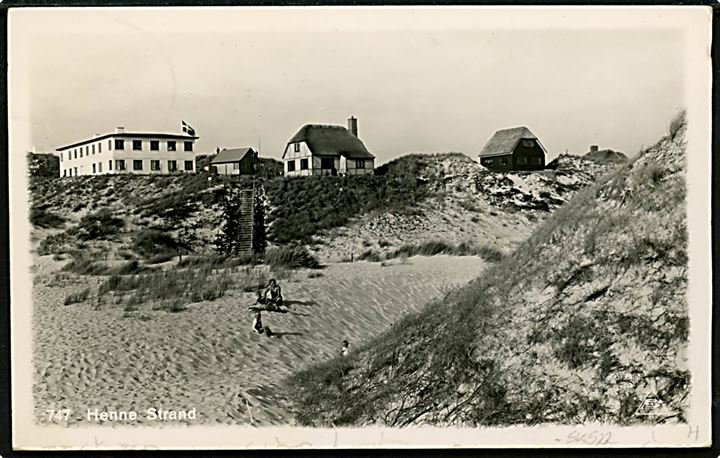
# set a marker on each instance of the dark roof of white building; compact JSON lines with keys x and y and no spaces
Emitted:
{"x":231,"y":155}
{"x":324,"y":140}
{"x":504,"y":141}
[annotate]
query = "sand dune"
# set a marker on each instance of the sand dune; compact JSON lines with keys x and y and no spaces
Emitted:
{"x":207,"y":357}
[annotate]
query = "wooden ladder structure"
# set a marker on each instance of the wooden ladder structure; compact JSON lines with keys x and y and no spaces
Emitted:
{"x":246,"y":223}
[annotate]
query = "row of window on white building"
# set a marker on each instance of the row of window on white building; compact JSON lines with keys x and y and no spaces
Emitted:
{"x":137,"y":145}
{"x":137,"y":165}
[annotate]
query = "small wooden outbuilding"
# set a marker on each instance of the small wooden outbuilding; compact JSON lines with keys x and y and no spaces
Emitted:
{"x":236,"y":161}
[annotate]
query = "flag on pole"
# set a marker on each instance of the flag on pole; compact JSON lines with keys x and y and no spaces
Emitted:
{"x":187,"y":129}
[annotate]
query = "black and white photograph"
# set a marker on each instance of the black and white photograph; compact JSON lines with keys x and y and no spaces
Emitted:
{"x":317,"y":227}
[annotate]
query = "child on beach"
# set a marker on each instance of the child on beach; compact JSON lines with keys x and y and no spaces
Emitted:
{"x":258,"y":327}
{"x":257,"y":323}
{"x":345,"y":348}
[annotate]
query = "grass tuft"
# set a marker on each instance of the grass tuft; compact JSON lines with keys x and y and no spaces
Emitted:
{"x":77,"y":297}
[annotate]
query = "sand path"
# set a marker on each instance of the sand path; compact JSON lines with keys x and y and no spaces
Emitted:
{"x":207,"y":357}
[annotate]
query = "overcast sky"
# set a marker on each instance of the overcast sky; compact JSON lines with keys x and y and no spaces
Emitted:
{"x":417,"y":81}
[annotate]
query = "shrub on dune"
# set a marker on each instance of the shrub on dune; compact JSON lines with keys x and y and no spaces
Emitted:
{"x":42,"y":218}
{"x":154,"y":244}
{"x":100,"y":225}
{"x":291,"y":257}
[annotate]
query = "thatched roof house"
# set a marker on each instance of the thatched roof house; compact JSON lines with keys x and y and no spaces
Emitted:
{"x":516,"y":148}
{"x":318,"y":149}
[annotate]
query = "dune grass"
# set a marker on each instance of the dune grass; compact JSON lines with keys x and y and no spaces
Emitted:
{"x":167,"y":289}
{"x":433,"y":248}
{"x":173,"y":289}
{"x":218,"y":261}
{"x":83,"y":265}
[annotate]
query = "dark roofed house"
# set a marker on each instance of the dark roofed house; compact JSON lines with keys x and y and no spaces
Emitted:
{"x":516,"y":148}
{"x":327,"y":150}
{"x":236,"y":161}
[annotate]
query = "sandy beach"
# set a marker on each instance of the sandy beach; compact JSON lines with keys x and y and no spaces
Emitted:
{"x":207,"y":357}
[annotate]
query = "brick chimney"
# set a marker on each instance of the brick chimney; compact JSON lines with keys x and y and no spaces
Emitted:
{"x":352,"y":125}
{"x":593,"y":148}
{"x":119,"y":130}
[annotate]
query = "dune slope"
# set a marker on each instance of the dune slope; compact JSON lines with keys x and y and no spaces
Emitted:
{"x":584,"y":322}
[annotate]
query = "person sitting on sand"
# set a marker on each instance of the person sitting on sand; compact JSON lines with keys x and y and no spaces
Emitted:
{"x":345,"y":348}
{"x":275,"y":292}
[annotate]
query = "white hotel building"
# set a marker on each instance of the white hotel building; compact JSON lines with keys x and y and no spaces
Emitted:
{"x":129,"y":152}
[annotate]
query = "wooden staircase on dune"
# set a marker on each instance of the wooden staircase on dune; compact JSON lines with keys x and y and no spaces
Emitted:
{"x":245,"y":238}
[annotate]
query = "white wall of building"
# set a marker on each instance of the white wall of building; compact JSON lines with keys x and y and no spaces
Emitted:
{"x":341,"y":164}
{"x":228,"y":168}
{"x":100,"y":157}
{"x":291,"y":155}
{"x":352,"y":169}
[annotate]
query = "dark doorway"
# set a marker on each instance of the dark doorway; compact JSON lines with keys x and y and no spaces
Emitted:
{"x":327,"y":163}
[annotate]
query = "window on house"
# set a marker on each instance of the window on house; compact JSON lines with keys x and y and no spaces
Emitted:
{"x":109,"y":145}
{"x":303,"y":164}
{"x":99,"y":148}
{"x":119,"y":164}
{"x":99,"y":167}
{"x":74,"y":171}
{"x":64,"y":172}
{"x":172,"y":165}
{"x":61,"y":157}
{"x":327,"y":163}
{"x":528,"y":143}
{"x":137,"y":164}
{"x":188,"y":146}
{"x":87,"y":151}
{"x":110,"y":165}
{"x":189,"y":165}
{"x":171,"y":145}
{"x":236,"y":166}
{"x":154,"y":145}
{"x":291,"y":166}
{"x":503,"y":161}
{"x":93,"y":148}
{"x":154,"y":165}
{"x":75,"y":153}
{"x":119,"y":143}
{"x":522,"y":160}
{"x":296,"y":147}
{"x":81,"y":152}
{"x":137,"y":145}
{"x":94,"y":168}
{"x":360,"y":164}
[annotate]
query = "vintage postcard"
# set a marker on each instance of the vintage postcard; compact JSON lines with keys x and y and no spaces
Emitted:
{"x":399,"y":227}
